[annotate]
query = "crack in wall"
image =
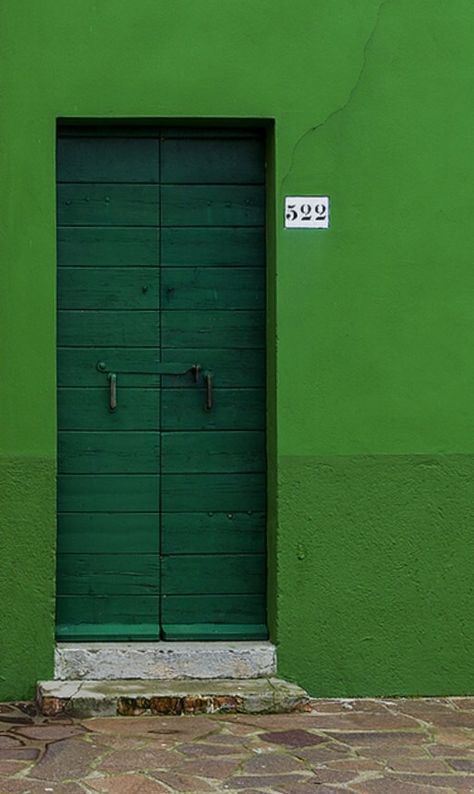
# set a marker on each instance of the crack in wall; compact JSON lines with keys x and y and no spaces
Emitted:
{"x":350,"y":96}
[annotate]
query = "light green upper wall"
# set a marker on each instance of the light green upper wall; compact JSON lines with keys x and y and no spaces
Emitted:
{"x":372,"y":105}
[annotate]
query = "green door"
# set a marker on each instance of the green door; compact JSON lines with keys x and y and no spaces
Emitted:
{"x":161,"y":384}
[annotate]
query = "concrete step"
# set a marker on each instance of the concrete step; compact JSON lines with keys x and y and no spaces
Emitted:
{"x":164,"y":660}
{"x":133,"y":698}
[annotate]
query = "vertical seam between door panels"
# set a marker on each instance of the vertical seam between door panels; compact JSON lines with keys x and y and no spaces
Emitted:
{"x":160,"y":409}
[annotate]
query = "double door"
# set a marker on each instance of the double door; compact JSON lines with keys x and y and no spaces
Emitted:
{"x":161,"y":384}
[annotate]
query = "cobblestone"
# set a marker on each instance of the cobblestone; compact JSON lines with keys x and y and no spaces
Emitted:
{"x":356,"y":746}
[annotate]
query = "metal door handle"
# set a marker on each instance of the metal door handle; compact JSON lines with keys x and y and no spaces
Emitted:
{"x":112,"y":378}
{"x":209,"y":394}
{"x":164,"y":368}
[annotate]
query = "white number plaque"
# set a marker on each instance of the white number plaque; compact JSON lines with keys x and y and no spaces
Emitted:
{"x":307,"y":212}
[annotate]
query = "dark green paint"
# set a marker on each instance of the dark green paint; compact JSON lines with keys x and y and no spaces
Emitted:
{"x":213,"y":288}
{"x":108,"y":159}
{"x":184,"y":409}
{"x":218,"y":246}
{"x":107,"y":574}
{"x":98,"y":533}
{"x":384,"y":590}
{"x":213,"y":492}
{"x":95,"y":328}
{"x":94,"y":246}
{"x":213,"y":205}
{"x":214,"y":574}
{"x":219,"y":533}
{"x":213,"y":452}
{"x":130,"y":308}
{"x":107,"y":205}
{"x":108,"y":452}
{"x":107,"y":493}
{"x":117,"y":288}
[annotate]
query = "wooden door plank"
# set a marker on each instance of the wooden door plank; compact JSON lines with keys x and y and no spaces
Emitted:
{"x":108,"y":288}
{"x":212,"y":288}
{"x":103,"y":632}
{"x":108,"y":484}
{"x":213,"y":205}
{"x":188,"y":452}
{"x":108,"y":574}
{"x":215,"y":631}
{"x":77,"y":367}
{"x":219,"y":329}
{"x":208,"y":161}
{"x":231,"y":368}
{"x":108,"y":246}
{"x":213,"y":574}
{"x":215,"y":533}
{"x":116,"y":617}
{"x":85,"y":409}
{"x":106,"y":493}
{"x":88,"y":159}
{"x":91,"y":204}
{"x":213,"y":492}
{"x":214,"y":609}
{"x":109,"y":328}
{"x":112,"y":533}
{"x":108,"y":452}
{"x":185,"y":409}
{"x":244,"y":246}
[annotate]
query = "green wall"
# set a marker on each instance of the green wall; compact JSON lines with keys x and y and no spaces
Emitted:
{"x":372,"y":101}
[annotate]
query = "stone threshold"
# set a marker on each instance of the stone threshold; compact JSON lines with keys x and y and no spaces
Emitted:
{"x":168,"y":661}
{"x":147,"y":698}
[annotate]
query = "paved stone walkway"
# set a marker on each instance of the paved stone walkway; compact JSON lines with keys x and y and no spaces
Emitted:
{"x":362,"y":746}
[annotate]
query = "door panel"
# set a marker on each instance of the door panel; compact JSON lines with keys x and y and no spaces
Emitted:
{"x":108,"y":311}
{"x":213,"y":288}
{"x":121,"y":329}
{"x":96,"y":533}
{"x":194,"y":245}
{"x":161,"y":500}
{"x":84,"y":158}
{"x":213,"y":205}
{"x":83,"y":409}
{"x":215,"y":533}
{"x":204,"y":161}
{"x":107,"y":205}
{"x":185,"y":409}
{"x":108,"y":493}
{"x":217,"y":329}
{"x":101,"y":246}
{"x":117,"y":452}
{"x":77,"y":367}
{"x":225,"y":451}
{"x":116,"y":288}
{"x":108,"y":574}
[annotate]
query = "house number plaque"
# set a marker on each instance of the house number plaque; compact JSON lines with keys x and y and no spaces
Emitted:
{"x":307,"y":212}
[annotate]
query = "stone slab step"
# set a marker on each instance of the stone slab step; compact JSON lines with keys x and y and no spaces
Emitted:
{"x":164,"y":660}
{"x":132,"y":698}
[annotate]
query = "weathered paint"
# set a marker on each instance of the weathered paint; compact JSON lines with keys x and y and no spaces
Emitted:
{"x":372,"y":106}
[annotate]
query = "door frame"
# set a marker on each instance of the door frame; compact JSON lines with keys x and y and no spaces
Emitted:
{"x":267,"y":127}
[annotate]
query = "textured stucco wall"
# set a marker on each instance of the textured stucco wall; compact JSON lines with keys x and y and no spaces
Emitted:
{"x":375,"y":328}
{"x":27,"y":546}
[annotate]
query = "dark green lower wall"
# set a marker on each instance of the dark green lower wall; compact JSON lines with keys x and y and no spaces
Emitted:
{"x":376,"y":585}
{"x":27,"y":551}
{"x":374,"y":571}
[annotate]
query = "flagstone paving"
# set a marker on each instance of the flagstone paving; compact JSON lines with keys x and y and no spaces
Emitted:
{"x":359,"y":746}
